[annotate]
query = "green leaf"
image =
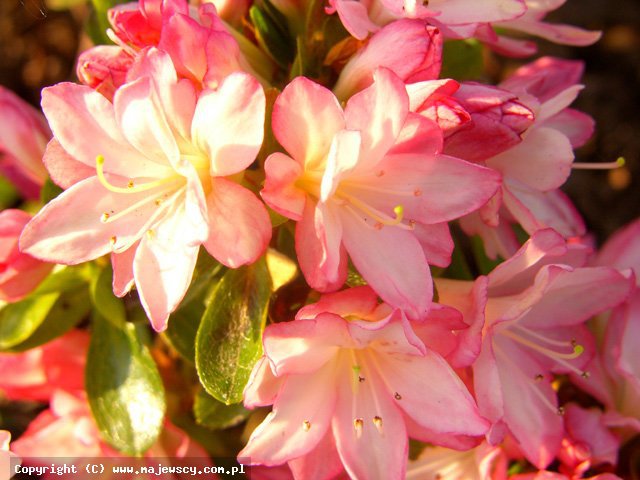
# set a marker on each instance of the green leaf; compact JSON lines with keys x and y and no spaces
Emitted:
{"x":484,"y":263}
{"x":272,"y":33}
{"x":20,"y":320}
{"x":229,"y":340}
{"x":69,"y":310}
{"x":99,"y":22}
{"x":124,"y":387}
{"x":104,"y":301}
{"x":462,"y":60}
{"x":213,"y":414}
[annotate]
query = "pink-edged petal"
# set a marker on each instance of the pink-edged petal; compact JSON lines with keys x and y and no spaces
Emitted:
{"x":239,"y":226}
{"x":64,"y":170}
{"x":622,"y":250}
{"x":391,"y":335}
{"x":564,"y":301}
{"x":304,"y":346}
{"x":355,"y":18}
{"x":419,"y":135}
{"x":392,"y":261}
{"x":471,"y":300}
{"x":422,"y":55}
{"x":104,"y":68}
{"x":357,"y":301}
{"x":535,"y":210}
{"x":313,"y":250}
{"x":370,"y":447}
{"x":558,"y":103}
{"x":379,"y":113}
{"x":163,"y":266}
{"x":534,"y":422}
{"x":306,"y":117}
{"x":123,"y":270}
{"x":468,"y":11}
{"x":53,"y":236}
{"x":228,"y":124}
{"x":144,"y":123}
{"x":432,"y":394}
{"x":323,"y":463}
{"x":300,"y":418}
{"x":436,"y":242}
{"x":280,"y":191}
{"x":263,"y":386}
{"x":577,"y":126}
{"x":587,"y":427}
{"x":71,"y":108}
{"x":542,"y":161}
{"x":343,"y":157}
{"x":557,"y":33}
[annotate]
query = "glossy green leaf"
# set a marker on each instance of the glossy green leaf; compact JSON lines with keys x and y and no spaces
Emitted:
{"x":214,"y":414}
{"x":20,"y":320}
{"x":104,"y":300}
{"x":229,"y":339}
{"x":124,"y":387}
{"x":69,"y":309}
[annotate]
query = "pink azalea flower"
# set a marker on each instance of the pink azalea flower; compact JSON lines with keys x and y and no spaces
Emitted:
{"x":35,"y":374}
{"x":23,"y":136}
{"x":615,"y":379}
{"x":348,"y":381}
{"x":533,"y":327}
{"x":546,"y":475}
{"x":152,"y":178}
{"x":20,"y":273}
{"x":368,"y":181}
{"x":484,"y":462}
{"x":360,"y":17}
{"x":198,"y":42}
{"x":535,"y":168}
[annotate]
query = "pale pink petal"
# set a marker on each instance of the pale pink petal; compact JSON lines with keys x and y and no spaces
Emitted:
{"x":123,"y":270}
{"x":577,"y":126}
{"x":300,"y":418}
{"x":143,"y":122}
{"x":432,"y":394}
{"x":63,"y":169}
{"x":343,"y":157}
{"x":564,"y":301}
{"x":104,"y":68}
{"x":355,"y":18}
{"x":56,"y":237}
{"x":239,"y":226}
{"x":587,"y":427}
{"x":392,"y":261}
{"x":622,"y":250}
{"x":163,"y":266}
{"x":379,"y":113}
{"x":468,"y":11}
{"x":323,"y":463}
{"x":263,"y":386}
{"x":312,"y":253}
{"x":228,"y":124}
{"x":304,"y":346}
{"x":436,"y":242}
{"x":357,"y":301}
{"x":369,"y":448}
{"x":71,"y":108}
{"x":306,"y":117}
{"x":422,"y":51}
{"x":280,"y":191}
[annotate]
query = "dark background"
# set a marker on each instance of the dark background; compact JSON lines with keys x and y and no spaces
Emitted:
{"x":38,"y":47}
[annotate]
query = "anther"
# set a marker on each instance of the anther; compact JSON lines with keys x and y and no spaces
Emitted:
{"x":585,"y":374}
{"x":377,"y":421}
{"x":539,"y":377}
{"x":113,"y":240}
{"x":417,"y":192}
{"x":130,"y":184}
{"x":104,"y":217}
{"x":358,"y":425}
{"x":397,"y":396}
{"x":158,"y":201}
{"x":360,"y":379}
{"x":151,"y":233}
{"x":380,"y":173}
{"x":561,"y":411}
{"x":378,"y":226}
{"x":306,"y":425}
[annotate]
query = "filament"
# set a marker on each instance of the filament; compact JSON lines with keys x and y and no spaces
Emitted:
{"x":133,"y":188}
{"x":599,"y":166}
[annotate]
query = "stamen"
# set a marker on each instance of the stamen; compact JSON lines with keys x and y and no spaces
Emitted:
{"x":381,"y":218}
{"x":104,"y":217}
{"x":397,"y":396}
{"x":377,"y":421}
{"x":599,"y":166}
{"x":306,"y":425}
{"x":577,"y":349}
{"x":108,"y":218}
{"x":560,"y":343}
{"x":358,"y":425}
{"x":113,"y":240}
{"x":130,"y":188}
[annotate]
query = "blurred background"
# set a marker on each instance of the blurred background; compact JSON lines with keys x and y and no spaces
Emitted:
{"x":40,"y":39}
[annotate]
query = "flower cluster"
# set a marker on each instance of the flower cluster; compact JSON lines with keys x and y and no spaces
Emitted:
{"x":288,"y":136}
